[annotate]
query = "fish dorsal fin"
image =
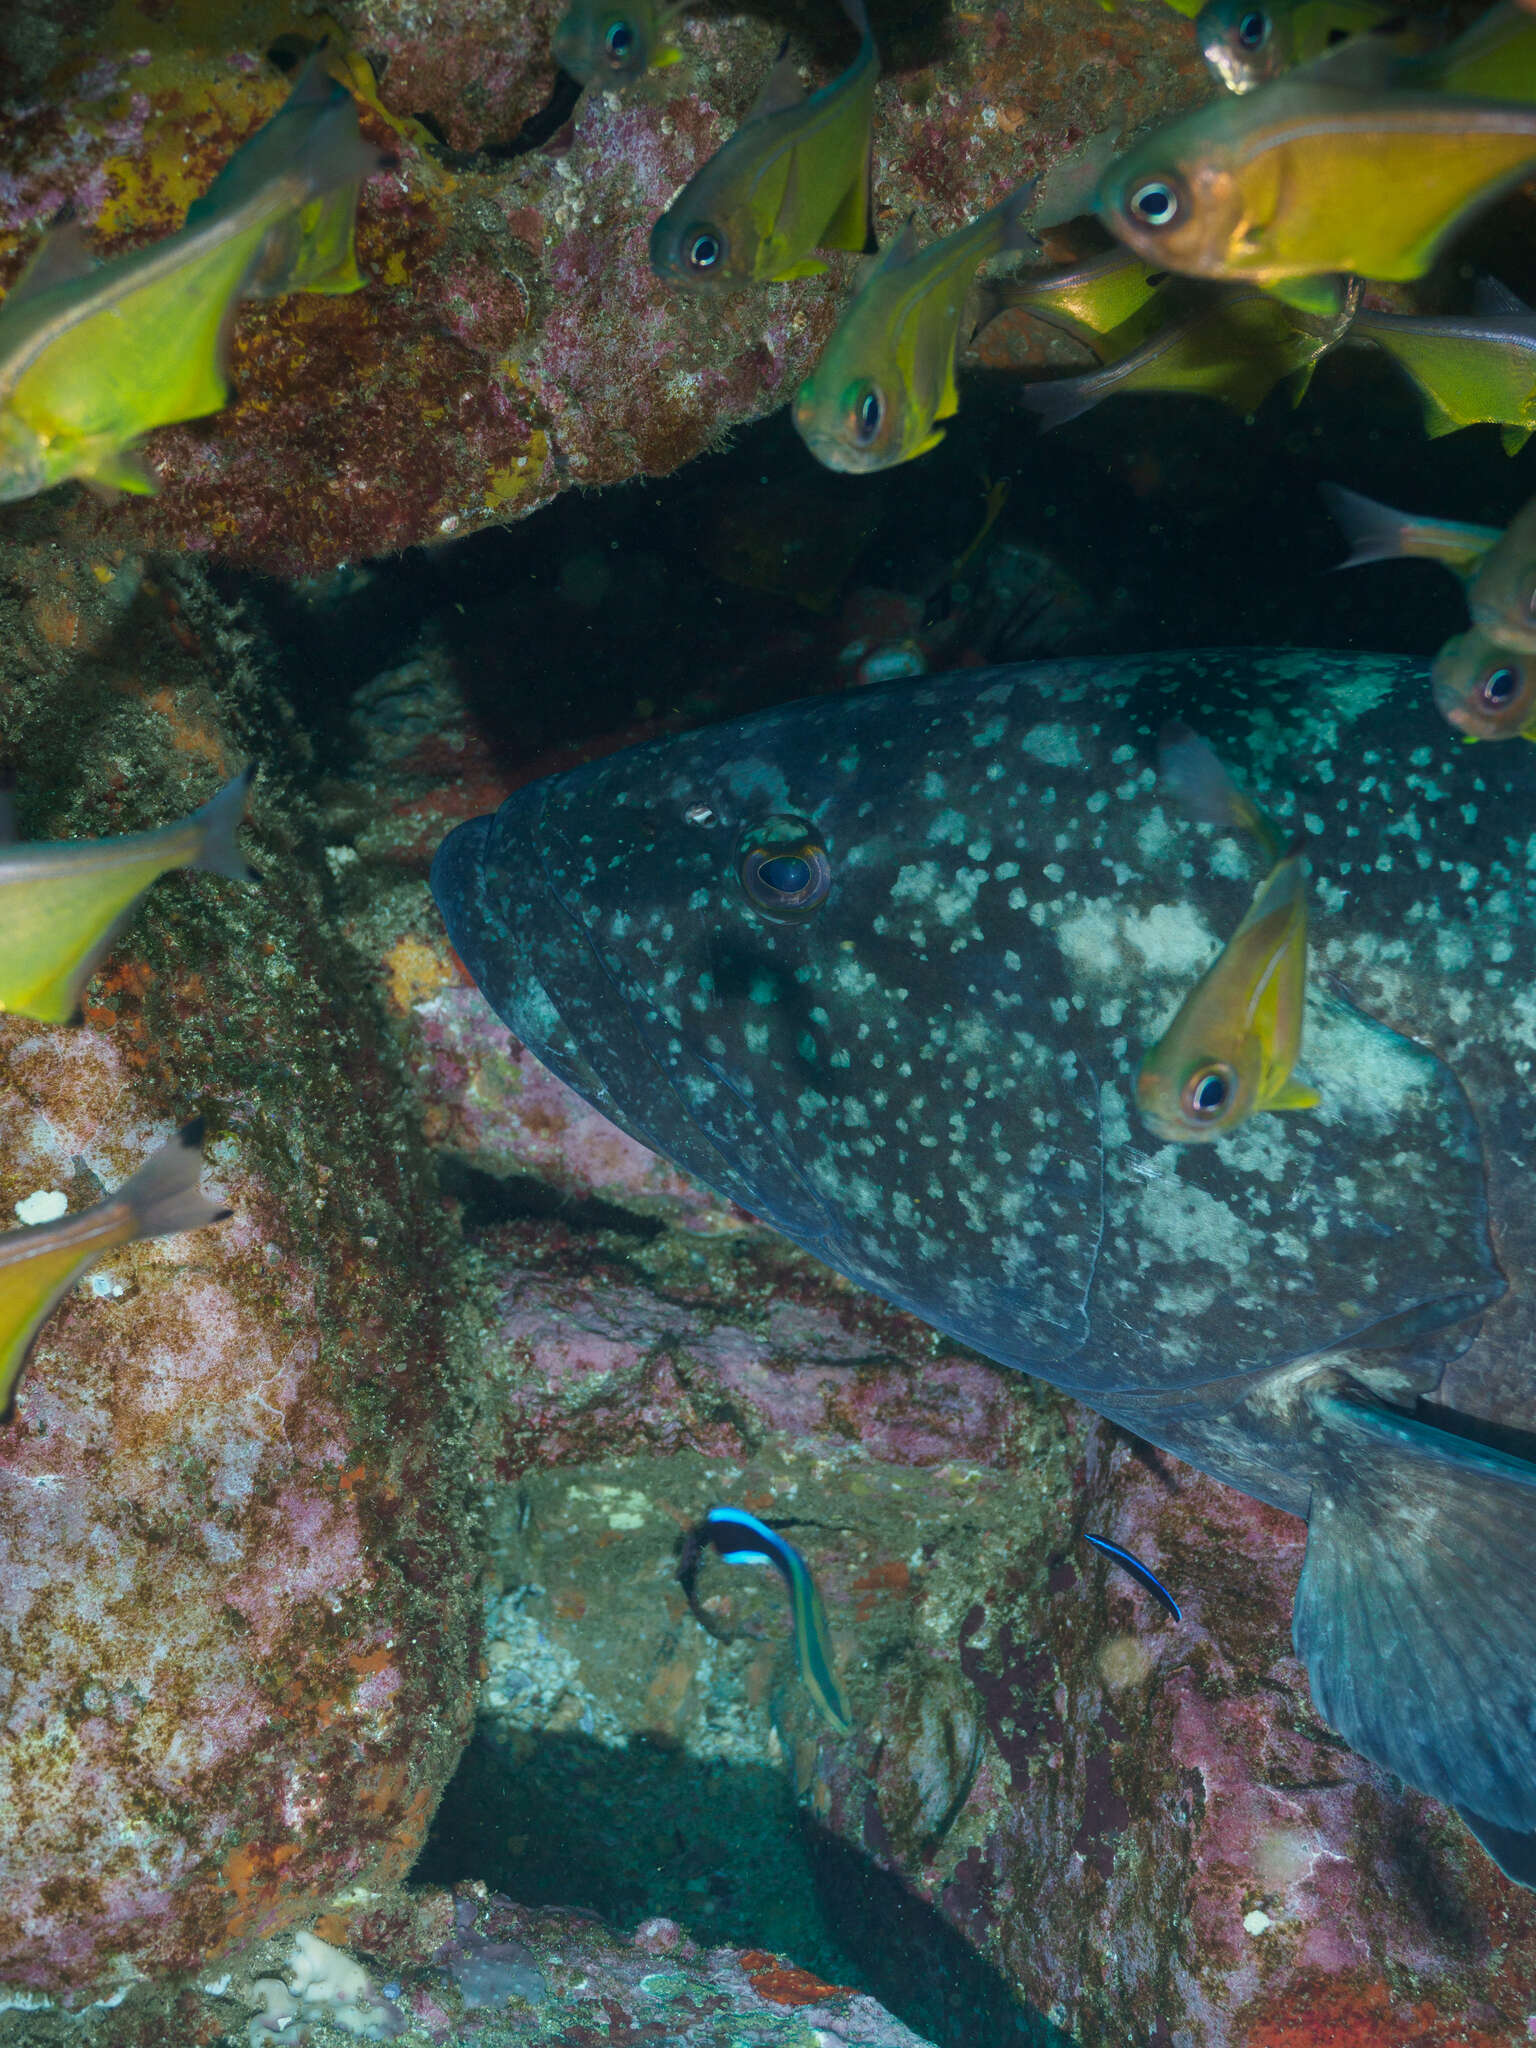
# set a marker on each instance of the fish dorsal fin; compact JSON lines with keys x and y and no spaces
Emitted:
{"x":62,"y":256}
{"x":900,"y":249}
{"x":1362,"y":64}
{"x":781,"y":89}
{"x":1492,"y":300}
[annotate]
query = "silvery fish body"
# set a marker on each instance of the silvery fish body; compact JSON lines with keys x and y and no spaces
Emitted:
{"x":929,"y":1082}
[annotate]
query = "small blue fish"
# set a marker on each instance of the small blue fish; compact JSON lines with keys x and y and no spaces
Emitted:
{"x":1137,"y":1570}
{"x":740,"y":1538}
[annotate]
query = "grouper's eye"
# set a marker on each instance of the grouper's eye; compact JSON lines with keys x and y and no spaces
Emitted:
{"x":783,"y":869}
{"x":1209,"y":1091}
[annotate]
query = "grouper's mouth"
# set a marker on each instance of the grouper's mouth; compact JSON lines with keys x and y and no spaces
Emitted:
{"x":581,"y":1014}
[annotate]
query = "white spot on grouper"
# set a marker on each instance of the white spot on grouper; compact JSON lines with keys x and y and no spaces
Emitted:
{"x":1055,"y":744}
{"x":1106,"y":940}
{"x":1184,"y":1223}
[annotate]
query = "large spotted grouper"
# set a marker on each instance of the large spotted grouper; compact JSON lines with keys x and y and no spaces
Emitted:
{"x":882,"y":967}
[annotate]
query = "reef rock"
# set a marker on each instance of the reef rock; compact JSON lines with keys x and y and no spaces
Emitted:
{"x":231,"y":1493}
{"x":512,"y":339}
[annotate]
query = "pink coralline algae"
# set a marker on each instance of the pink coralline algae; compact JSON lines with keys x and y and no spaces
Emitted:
{"x":228,"y":1501}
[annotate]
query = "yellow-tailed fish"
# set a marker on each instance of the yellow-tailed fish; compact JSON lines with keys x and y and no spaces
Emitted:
{"x":39,"y":1265}
{"x":1230,"y":1050}
{"x":1486,"y":691}
{"x":315,"y":248}
{"x":612,"y":43}
{"x":887,"y":376}
{"x":1379,"y":533}
{"x":1114,"y":297}
{"x":91,"y":359}
{"x":740,"y":1538}
{"x":1234,"y":345}
{"x":1249,"y":42}
{"x":1316,"y":175}
{"x":62,"y":902}
{"x":1475,"y":369}
{"x":792,"y":179}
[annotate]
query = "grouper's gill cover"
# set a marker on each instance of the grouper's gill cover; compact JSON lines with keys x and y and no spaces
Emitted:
{"x":930,"y":1081}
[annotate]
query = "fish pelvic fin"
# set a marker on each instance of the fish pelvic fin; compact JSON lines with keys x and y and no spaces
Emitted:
{"x":218,"y":821}
{"x":1292,"y":1095}
{"x":121,"y":470}
{"x":1317,"y":296}
{"x":164,"y":1195}
{"x":1513,"y":438}
{"x":1416,"y":1614}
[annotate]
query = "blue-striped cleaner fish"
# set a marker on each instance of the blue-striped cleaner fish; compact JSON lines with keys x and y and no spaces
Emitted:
{"x":41,"y":1263}
{"x":740,"y":1538}
{"x":94,"y":357}
{"x":880,"y":966}
{"x":315,"y":248}
{"x":612,"y":43}
{"x":794,"y":178}
{"x":1469,"y":369}
{"x":1142,"y":1574}
{"x":63,"y":902}
{"x":887,"y":376}
{"x":1231,"y":1047}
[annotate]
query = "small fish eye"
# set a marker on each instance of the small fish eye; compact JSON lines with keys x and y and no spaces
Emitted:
{"x":1253,"y":29}
{"x":1497,"y":687}
{"x":868,"y":412}
{"x":784,"y":870}
{"x":619,"y":41}
{"x":1208,"y":1092}
{"x":704,"y":250}
{"x":1155,"y":204}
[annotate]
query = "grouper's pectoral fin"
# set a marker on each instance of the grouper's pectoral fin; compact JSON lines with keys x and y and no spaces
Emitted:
{"x":1416,"y":1614}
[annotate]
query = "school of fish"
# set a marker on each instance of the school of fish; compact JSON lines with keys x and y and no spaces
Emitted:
{"x":902,"y":1014}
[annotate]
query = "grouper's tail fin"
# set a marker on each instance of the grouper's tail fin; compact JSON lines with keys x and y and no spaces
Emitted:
{"x":1416,"y":1615}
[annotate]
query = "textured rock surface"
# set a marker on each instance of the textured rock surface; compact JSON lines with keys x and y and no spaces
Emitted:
{"x":512,"y":340}
{"x":1040,"y":1754}
{"x":440,"y":1968}
{"x":232,"y":1496}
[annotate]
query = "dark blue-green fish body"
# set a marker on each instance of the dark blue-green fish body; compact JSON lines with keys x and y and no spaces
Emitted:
{"x":882,"y":967}
{"x":740,"y":1538}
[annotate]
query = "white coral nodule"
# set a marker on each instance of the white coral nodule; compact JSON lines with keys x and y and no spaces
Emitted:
{"x":331,"y":1985}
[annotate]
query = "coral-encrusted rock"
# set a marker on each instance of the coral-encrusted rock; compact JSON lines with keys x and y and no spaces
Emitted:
{"x":512,"y":339}
{"x":230,"y":1510}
